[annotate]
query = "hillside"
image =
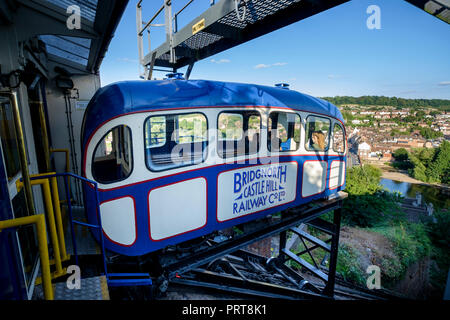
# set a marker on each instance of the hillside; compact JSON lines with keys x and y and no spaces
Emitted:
{"x":441,"y":104}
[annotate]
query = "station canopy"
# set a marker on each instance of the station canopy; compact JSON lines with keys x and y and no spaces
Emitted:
{"x":79,"y":50}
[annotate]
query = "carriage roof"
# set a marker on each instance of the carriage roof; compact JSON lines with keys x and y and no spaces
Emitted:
{"x":134,"y":96}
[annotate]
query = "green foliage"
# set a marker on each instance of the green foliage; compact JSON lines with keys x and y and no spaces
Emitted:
{"x":439,"y":229}
{"x":420,"y":114}
{"x":429,"y":133}
{"x":368,"y":210}
{"x":428,"y":165}
{"x":348,"y":265}
{"x":440,"y":166}
{"x":401,"y":154}
{"x":411,"y":243}
{"x":425,"y":155}
{"x":368,"y":204}
{"x":363,"y":180}
{"x":348,"y":116}
{"x":417,"y":168}
{"x":399,"y":103}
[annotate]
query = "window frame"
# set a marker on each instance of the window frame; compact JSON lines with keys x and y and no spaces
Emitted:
{"x":242,"y":132}
{"x":204,"y":154}
{"x":178,"y":128}
{"x":159,"y":144}
{"x":306,"y":133}
{"x":300,"y":129}
{"x":343,"y":138}
{"x":240,"y":112}
{"x":131,"y":152}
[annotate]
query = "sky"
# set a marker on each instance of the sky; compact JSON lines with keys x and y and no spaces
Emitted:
{"x":333,"y":53}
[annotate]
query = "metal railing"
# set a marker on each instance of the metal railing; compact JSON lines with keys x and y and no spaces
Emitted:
{"x":171,"y":27}
{"x":113,"y":279}
{"x":39,"y":221}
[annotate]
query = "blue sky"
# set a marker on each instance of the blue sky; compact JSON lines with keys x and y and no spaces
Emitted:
{"x":332,"y":53}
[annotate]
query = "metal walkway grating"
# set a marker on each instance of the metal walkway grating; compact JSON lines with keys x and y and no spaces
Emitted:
{"x":256,"y":11}
{"x":222,"y":27}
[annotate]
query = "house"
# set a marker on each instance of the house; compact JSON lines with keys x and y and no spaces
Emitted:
{"x":364,"y":150}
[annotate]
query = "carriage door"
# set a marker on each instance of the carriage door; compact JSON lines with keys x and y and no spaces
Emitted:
{"x":113,"y":162}
{"x":317,"y":142}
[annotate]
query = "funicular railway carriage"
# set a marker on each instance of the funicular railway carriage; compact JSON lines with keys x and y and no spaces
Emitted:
{"x":175,"y":160}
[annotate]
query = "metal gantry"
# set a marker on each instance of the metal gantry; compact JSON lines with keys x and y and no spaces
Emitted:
{"x":224,"y":25}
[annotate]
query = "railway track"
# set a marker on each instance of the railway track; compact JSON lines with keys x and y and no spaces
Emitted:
{"x":247,"y":275}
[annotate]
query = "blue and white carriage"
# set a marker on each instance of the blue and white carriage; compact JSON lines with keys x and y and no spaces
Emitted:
{"x":175,"y":159}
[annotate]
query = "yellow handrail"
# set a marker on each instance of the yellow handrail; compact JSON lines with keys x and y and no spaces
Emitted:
{"x":39,"y":220}
{"x":51,"y":220}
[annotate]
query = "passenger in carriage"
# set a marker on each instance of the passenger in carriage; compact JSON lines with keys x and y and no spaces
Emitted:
{"x":317,"y":141}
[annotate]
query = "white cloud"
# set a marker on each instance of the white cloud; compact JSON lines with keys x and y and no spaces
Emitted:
{"x":220,"y":61}
{"x":334,"y":76}
{"x":276,"y":64}
{"x":127,"y":60}
{"x":444,"y":83}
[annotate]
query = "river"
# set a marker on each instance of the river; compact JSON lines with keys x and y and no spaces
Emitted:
{"x":429,"y":193}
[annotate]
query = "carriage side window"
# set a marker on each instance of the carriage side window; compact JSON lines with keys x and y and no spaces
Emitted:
{"x":175,"y":140}
{"x":317,"y":133}
{"x":113,"y":159}
{"x":338,"y":138}
{"x":238,"y":133}
{"x":283,"y":131}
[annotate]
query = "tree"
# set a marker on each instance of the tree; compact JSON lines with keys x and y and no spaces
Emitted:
{"x":367,"y":203}
{"x":440,"y":165}
{"x":420,"y":114}
{"x":429,"y":133}
{"x":417,"y":170}
{"x":425,"y":155}
{"x":363,"y":180}
{"x":401,"y":154}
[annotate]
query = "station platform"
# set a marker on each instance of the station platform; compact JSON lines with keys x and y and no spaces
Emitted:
{"x":93,"y":288}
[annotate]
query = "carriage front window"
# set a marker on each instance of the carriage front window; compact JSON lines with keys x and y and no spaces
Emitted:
{"x":238,"y":133}
{"x":113,"y":159}
{"x":175,"y":140}
{"x":338,"y":138}
{"x":283,"y":131}
{"x":317,"y":133}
